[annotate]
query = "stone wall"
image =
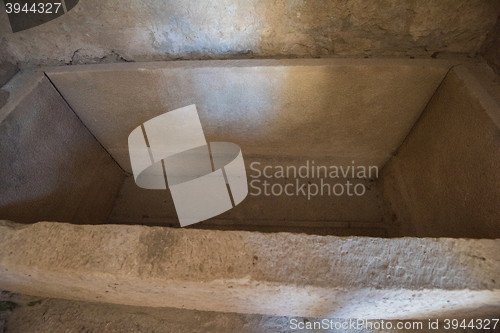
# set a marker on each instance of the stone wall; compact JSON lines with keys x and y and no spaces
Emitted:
{"x":445,"y":179}
{"x":491,"y":48}
{"x":52,"y":166}
{"x":132,"y":30}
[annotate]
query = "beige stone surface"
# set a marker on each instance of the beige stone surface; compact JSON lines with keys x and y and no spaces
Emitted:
{"x":280,"y":112}
{"x":52,"y":168}
{"x":445,"y":178}
{"x":246,"y":272}
{"x":134,"y":30}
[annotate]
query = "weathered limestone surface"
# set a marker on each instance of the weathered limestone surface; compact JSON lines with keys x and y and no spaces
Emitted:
{"x":280,"y":112}
{"x":445,"y":179}
{"x":245,"y":272}
{"x":52,"y":168}
{"x":134,"y":30}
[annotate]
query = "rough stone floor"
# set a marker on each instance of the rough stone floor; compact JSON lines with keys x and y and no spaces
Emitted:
{"x":22,"y":313}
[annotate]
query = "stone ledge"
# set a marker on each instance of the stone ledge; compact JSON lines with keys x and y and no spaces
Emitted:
{"x":247,"y":272}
